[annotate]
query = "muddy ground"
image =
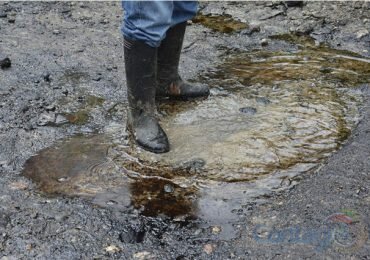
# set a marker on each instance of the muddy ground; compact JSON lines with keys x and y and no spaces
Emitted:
{"x":68,"y":52}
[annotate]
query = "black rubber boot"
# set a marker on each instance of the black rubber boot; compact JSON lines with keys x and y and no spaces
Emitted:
{"x":141,"y":68}
{"x":170,"y":83}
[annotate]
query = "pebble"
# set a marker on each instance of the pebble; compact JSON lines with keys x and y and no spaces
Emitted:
{"x":5,"y":63}
{"x":168,"y":188}
{"x":216,"y":230}
{"x":263,"y":100}
{"x":143,"y":255}
{"x":248,"y":110}
{"x":112,"y":249}
{"x":46,"y":77}
{"x":264,"y":42}
{"x":50,"y":108}
{"x":362,"y":33}
{"x":209,"y":248}
{"x":252,"y":29}
{"x":18,"y":185}
{"x":46,"y":119}
{"x":132,"y":236}
{"x":60,"y":120}
{"x":56,"y":32}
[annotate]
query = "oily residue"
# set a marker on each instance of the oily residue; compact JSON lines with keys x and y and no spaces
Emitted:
{"x":271,"y":117}
{"x":221,"y":23}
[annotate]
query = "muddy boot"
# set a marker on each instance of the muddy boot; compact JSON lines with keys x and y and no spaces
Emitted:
{"x":140,"y":64}
{"x":170,"y":83}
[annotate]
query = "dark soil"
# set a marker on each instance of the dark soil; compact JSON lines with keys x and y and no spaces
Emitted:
{"x":58,"y":56}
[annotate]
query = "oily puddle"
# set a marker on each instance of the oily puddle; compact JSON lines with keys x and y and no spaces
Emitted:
{"x":270,"y":118}
{"x":221,"y":23}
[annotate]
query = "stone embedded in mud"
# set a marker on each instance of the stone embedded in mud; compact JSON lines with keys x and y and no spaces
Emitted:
{"x":60,"y":120}
{"x":263,"y":100}
{"x":133,"y":235}
{"x":5,"y":63}
{"x":264,"y":42}
{"x":362,"y":33}
{"x":209,"y":248}
{"x":46,"y":119}
{"x":144,"y":255}
{"x":46,"y":76}
{"x":168,"y":188}
{"x":112,"y":249}
{"x":248,"y":110}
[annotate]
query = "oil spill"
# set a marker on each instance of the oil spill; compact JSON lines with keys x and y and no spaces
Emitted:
{"x":221,"y":23}
{"x":271,"y":117}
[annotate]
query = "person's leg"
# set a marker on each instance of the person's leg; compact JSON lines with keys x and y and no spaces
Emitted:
{"x":170,"y":83}
{"x":145,"y":24}
{"x":147,"y":21}
{"x":183,"y":11}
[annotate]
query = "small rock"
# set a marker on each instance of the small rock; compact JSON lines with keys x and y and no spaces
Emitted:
{"x":60,"y":120}
{"x":46,"y":119}
{"x":248,"y":110}
{"x":112,"y":249}
{"x":209,"y":248}
{"x":56,"y":32}
{"x":104,"y":21}
{"x":252,"y":29}
{"x":362,"y":33}
{"x":263,"y":100}
{"x":144,"y":255}
{"x":216,"y":230}
{"x":168,"y":188}
{"x":264,"y":42}
{"x":18,"y":185}
{"x":3,"y":15}
{"x":132,"y":236}
{"x":65,"y":10}
{"x":63,"y":179}
{"x":96,"y":78}
{"x":5,"y":63}
{"x":194,"y":165}
{"x":46,"y":76}
{"x":50,"y":108}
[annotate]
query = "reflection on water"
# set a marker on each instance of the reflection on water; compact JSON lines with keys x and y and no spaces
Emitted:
{"x":271,"y":117}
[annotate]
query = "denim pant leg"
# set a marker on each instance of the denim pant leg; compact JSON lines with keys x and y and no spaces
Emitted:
{"x":183,"y":11}
{"x":147,"y":21}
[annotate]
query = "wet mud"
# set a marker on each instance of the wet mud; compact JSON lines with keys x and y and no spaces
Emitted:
{"x":274,"y":164}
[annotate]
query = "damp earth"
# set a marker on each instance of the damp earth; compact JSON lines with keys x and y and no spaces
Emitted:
{"x":91,"y":195}
{"x":271,"y":116}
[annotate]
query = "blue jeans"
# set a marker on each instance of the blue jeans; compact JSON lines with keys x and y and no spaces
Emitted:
{"x":148,"y":21}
